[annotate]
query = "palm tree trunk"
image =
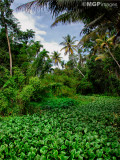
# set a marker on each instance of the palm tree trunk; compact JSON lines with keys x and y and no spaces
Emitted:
{"x":8,"y":41}
{"x":77,"y":67}
{"x":10,"y":54}
{"x":113,"y":57}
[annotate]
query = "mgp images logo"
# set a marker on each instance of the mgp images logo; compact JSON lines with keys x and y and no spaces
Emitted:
{"x":97,"y":4}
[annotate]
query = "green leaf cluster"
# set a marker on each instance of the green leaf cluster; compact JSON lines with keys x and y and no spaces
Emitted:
{"x":89,"y":131}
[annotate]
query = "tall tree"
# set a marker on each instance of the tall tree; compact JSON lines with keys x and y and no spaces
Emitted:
{"x":6,"y":21}
{"x":42,"y":63}
{"x":24,"y":36}
{"x":56,"y":57}
{"x":37,"y":46}
{"x":70,"y":47}
{"x":108,"y":44}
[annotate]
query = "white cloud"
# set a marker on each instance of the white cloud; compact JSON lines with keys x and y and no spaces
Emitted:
{"x":54,"y":46}
{"x":27,"y":21}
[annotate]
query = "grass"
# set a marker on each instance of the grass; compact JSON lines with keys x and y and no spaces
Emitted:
{"x":87,"y":131}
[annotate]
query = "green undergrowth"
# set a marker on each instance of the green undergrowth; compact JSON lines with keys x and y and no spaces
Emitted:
{"x":51,"y":103}
{"x":56,"y":102}
{"x":86,"y":132}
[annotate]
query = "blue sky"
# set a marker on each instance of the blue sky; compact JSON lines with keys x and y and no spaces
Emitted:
{"x":41,"y":22}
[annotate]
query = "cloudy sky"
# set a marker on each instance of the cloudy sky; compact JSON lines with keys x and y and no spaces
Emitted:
{"x":40,"y":22}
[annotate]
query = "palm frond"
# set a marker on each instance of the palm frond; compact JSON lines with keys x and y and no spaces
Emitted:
{"x":96,"y":21}
{"x":100,"y":57}
{"x":111,"y":39}
{"x":71,"y":51}
{"x":102,"y":45}
{"x":63,"y":48}
{"x":99,"y":41}
{"x":36,"y":4}
{"x":93,"y":35}
{"x":66,"y":50}
{"x":67,"y":18}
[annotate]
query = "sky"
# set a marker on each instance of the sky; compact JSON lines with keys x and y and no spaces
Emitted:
{"x":40,"y":22}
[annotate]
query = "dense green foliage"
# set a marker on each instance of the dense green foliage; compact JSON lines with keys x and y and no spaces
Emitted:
{"x":87,"y":131}
{"x":52,"y":109}
{"x":52,"y":103}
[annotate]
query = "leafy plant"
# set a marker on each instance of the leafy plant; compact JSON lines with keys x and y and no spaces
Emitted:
{"x":59,"y":103}
{"x":87,"y":131}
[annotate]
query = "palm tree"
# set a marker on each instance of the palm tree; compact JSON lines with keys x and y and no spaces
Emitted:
{"x":107,"y":43}
{"x":37,"y":46}
{"x":4,"y":24}
{"x":56,"y":57}
{"x":69,"y":45}
{"x":72,"y":11}
{"x":40,"y":63}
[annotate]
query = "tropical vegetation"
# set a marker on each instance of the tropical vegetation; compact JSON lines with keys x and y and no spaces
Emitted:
{"x":56,"y":109}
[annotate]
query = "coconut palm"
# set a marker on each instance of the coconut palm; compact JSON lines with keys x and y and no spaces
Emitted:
{"x":72,"y":11}
{"x":69,"y":45}
{"x":107,"y":43}
{"x":5,"y":19}
{"x":38,"y":46}
{"x":56,"y":57}
{"x":42,"y":63}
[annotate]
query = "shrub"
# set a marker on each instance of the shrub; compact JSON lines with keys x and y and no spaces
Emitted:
{"x":4,"y":75}
{"x":10,"y":83}
{"x":16,"y":81}
{"x":9,"y":93}
{"x":3,"y":104}
{"x":24,"y":98}
{"x":59,"y":103}
{"x":18,"y":77}
{"x":8,"y":100}
{"x":55,"y":88}
{"x":40,"y":90}
{"x":67,"y":92}
{"x":34,"y":91}
{"x":84,"y":87}
{"x":60,"y":84}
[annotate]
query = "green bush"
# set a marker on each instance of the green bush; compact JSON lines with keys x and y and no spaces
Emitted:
{"x":84,"y":87}
{"x":3,"y":104}
{"x":18,"y":77}
{"x":16,"y":81}
{"x":24,"y":98}
{"x":41,"y":91}
{"x":62,"y":83}
{"x":58,"y":103}
{"x":8,"y":100}
{"x":34,"y":91}
{"x":9,"y":93}
{"x":55,"y":88}
{"x":10,"y":83}
{"x":4,"y":75}
{"x":67,"y":92}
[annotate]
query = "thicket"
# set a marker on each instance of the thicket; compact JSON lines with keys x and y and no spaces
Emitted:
{"x":26,"y":70}
{"x":16,"y":95}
